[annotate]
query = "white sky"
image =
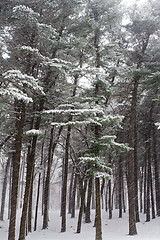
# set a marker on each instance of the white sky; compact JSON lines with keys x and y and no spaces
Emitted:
{"x":131,"y":2}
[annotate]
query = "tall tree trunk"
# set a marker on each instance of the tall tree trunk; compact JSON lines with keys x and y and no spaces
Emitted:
{"x":123,"y":196}
{"x":120,"y":186}
{"x":152,"y":197}
{"x":4,"y":188}
{"x":106,"y":198}
{"x":37,"y":202}
{"x":102,"y":192}
{"x":141,"y":188}
{"x":65,"y":178}
{"x":88,"y":206}
{"x":30,"y":205}
{"x":66,"y":157}
{"x":156,"y":168}
{"x":30,"y":170}
{"x":10,"y":190}
{"x":38,"y":189}
{"x":71,"y":191}
{"x":136,"y":174}
{"x":145,"y":184}
{"x":148,"y":191}
{"x":110,"y":198}
{"x":20,"y":109}
{"x":98,"y":211}
{"x":131,"y":179}
{"x":83,"y":192}
{"x":73,"y":196}
{"x":47,"y":183}
{"x":22,"y":182}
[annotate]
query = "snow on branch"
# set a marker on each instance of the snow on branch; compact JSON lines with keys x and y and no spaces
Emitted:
{"x":116,"y":119}
{"x":22,"y":11}
{"x":15,"y":93}
{"x":96,"y":166}
{"x":157,"y":125}
{"x":29,"y":50}
{"x":15,"y":76}
{"x":77,"y":123}
{"x":74,"y":111}
{"x":35,"y":132}
{"x":110,"y":141}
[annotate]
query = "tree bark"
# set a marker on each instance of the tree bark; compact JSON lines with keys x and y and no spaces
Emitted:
{"x":136,"y":173}
{"x":20,"y":109}
{"x":71,"y":191}
{"x":98,"y":211}
{"x":120,"y":186}
{"x":110,"y":199}
{"x":47,"y":183}
{"x":4,"y":188}
{"x":81,"y":207}
{"x":73,"y":196}
{"x":30,"y":205}
{"x":156,"y":167}
{"x":30,"y":170}
{"x":88,"y":206}
{"x":65,"y":178}
{"x":131,"y":180}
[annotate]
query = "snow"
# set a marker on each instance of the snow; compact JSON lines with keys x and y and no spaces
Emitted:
{"x":114,"y":229}
{"x":21,"y":9}
{"x":33,"y":132}
{"x":74,"y":111}
{"x":15,"y":93}
{"x":157,"y":125}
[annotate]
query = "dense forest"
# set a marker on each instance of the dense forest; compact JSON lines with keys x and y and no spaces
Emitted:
{"x":79,"y":109}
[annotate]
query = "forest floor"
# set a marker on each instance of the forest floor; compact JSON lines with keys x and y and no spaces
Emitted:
{"x":114,"y":229}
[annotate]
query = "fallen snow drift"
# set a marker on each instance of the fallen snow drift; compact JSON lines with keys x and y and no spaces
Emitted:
{"x":114,"y":229}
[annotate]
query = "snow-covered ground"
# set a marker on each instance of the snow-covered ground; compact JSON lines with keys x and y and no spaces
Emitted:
{"x":115,"y":229}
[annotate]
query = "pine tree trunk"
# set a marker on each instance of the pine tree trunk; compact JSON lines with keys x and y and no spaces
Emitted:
{"x":65,"y":175}
{"x":88,"y":206}
{"x":30,"y":171}
{"x":22,"y":183}
{"x":73,"y":196}
{"x":20,"y":119}
{"x":30,"y":206}
{"x":98,"y":211}
{"x":81,"y":207}
{"x":123,"y":196}
{"x":120,"y":186}
{"x":65,"y":178}
{"x":136,"y":174}
{"x":152,"y":198}
{"x":141,"y":188}
{"x":10,"y":190}
{"x":145,"y":184}
{"x":93,"y":194}
{"x":37,"y":202}
{"x":106,"y":199}
{"x":148,"y":178}
{"x":148,"y":193}
{"x":38,"y":188}
{"x":150,"y":155}
{"x":43,"y":185}
{"x":4,"y":188}
{"x":131,"y":168}
{"x":156,"y":167}
{"x":102,"y":192}
{"x":47,"y":183}
{"x":110,"y":198}
{"x":71,"y":192}
{"x":30,"y":164}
